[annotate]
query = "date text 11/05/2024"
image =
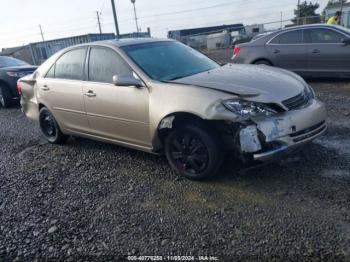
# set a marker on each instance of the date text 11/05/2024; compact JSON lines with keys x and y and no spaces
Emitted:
{"x":172,"y":258}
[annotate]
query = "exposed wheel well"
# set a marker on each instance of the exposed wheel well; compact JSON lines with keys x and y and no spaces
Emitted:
{"x":176,"y":120}
{"x":262,"y":60}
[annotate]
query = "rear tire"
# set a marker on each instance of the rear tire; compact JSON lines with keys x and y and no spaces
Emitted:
{"x":262,"y":62}
{"x":194,"y":152}
{"x":50,"y":128}
{"x":5,"y":97}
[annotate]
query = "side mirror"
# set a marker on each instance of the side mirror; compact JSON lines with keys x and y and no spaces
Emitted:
{"x":127,"y":81}
{"x":346,"y":41}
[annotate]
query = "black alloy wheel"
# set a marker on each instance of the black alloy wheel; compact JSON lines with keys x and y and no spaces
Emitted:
{"x":189,"y":153}
{"x":193,"y":152}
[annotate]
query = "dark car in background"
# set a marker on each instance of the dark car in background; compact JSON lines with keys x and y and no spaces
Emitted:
{"x":312,"y":50}
{"x":11,"y":70}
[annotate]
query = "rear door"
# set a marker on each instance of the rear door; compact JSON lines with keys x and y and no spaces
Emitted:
{"x":326,"y":52}
{"x":61,"y":90}
{"x":288,"y":50}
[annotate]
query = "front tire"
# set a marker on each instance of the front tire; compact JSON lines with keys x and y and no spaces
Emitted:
{"x":50,"y":128}
{"x":194,"y":152}
{"x":5,"y":97}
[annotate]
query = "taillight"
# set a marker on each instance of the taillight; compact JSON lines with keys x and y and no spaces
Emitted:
{"x":236,"y":50}
{"x":19,"y":88}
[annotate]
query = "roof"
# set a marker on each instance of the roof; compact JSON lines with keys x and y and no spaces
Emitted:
{"x":267,"y":37}
{"x":121,"y":42}
{"x":310,"y":26}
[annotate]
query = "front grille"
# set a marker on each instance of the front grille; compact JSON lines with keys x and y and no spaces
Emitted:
{"x":309,"y":132}
{"x":297,"y":102}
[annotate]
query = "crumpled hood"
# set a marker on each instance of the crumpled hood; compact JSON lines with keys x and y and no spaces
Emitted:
{"x":264,"y":83}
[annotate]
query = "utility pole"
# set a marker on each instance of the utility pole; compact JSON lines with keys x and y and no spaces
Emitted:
{"x":115,"y":19}
{"x":298,"y":12}
{"x":41,"y":32}
{"x":99,"y":22}
{"x":137,"y":24}
{"x":341,"y":12}
{"x":281,"y":19}
{"x":342,"y":6}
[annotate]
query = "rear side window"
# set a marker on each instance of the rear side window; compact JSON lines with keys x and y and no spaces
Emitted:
{"x":70,"y":65}
{"x":293,"y":37}
{"x":324,"y":36}
{"x":105,"y":63}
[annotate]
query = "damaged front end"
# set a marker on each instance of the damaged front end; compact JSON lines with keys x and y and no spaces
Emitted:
{"x":263,"y":133}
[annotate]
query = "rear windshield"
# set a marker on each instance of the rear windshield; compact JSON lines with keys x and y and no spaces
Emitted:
{"x":166,"y":61}
{"x":6,"y":61}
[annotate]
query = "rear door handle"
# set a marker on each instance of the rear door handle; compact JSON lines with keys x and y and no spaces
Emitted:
{"x":316,"y":51}
{"x":276,"y":51}
{"x":45,"y":88}
{"x":90,"y":94}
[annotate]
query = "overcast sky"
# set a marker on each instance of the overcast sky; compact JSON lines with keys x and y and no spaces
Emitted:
{"x":20,"y":19}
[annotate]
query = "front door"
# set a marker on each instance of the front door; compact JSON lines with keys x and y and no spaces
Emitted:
{"x":288,"y":51}
{"x":62,"y":91}
{"x":115,"y":112}
{"x":326,"y":52}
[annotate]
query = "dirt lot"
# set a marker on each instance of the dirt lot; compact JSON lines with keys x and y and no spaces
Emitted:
{"x":91,"y":201}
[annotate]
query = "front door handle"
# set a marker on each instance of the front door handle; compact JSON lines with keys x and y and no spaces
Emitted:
{"x":45,"y":88}
{"x":90,"y":94}
{"x":316,"y":51}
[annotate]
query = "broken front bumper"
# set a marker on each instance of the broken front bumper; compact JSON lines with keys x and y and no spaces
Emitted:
{"x":285,"y":132}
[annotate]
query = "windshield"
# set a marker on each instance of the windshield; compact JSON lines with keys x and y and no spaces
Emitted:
{"x":166,"y":61}
{"x":6,"y":61}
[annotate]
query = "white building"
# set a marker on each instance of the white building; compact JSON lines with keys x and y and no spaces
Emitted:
{"x":252,"y":30}
{"x":330,"y":11}
{"x":219,"y":40}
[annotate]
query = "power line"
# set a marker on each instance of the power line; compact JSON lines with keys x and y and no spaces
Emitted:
{"x":190,"y":10}
{"x":71,"y":28}
{"x":184,"y":11}
{"x":151,"y":16}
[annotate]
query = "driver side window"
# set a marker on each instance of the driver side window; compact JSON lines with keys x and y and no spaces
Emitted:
{"x":105,"y":63}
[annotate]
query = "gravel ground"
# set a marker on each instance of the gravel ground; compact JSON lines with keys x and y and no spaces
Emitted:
{"x":92,"y":201}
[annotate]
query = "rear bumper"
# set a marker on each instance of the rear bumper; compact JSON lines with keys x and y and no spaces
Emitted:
{"x":285,"y":133}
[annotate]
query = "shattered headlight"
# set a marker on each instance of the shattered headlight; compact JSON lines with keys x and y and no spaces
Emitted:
{"x":247,"y":109}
